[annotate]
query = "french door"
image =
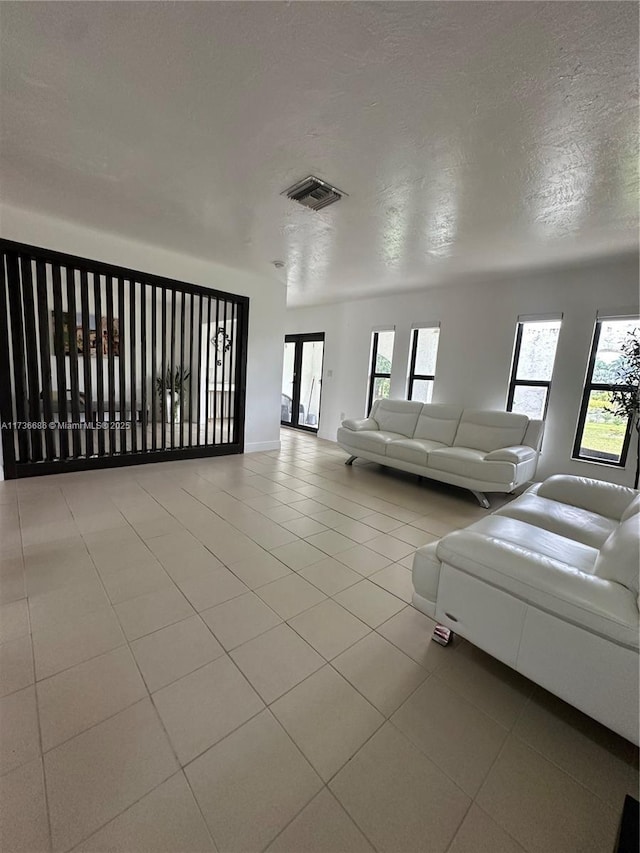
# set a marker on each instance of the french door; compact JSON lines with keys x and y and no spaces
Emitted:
{"x":302,"y":381}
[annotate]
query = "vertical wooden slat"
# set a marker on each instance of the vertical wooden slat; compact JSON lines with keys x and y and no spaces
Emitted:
{"x":191,"y":371}
{"x":6,"y":403}
{"x":154,"y":376}
{"x":233,"y":373}
{"x":61,"y":365}
{"x":163,"y":374}
{"x":216,"y":380}
{"x":122,"y":392}
{"x":241,"y":370}
{"x":234,"y":351}
{"x":86,"y":361}
{"x":33,"y":393}
{"x":199,"y":382}
{"x":17,"y":345}
{"x":133,"y":364}
{"x":112,"y":380}
{"x":224,"y":427}
{"x":230,"y":373}
{"x":173,"y":366}
{"x":143,"y":364}
{"x":229,"y":422}
{"x":223,"y":356}
{"x":45,"y":358}
{"x":97,"y":307}
{"x":76,"y":437}
{"x":183,"y":299}
{"x":206,"y":386}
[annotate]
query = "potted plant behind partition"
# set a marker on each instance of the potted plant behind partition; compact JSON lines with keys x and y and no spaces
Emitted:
{"x":625,"y":400}
{"x":171,"y":386}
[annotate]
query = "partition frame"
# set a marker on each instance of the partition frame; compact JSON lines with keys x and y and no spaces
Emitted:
{"x":25,"y":453}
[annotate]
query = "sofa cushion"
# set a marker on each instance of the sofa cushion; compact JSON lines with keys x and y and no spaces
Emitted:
{"x":544,"y":542}
{"x":566,"y":520}
{"x":533,"y":434}
{"x":399,"y":416}
{"x":412,"y":450}
{"x":360,"y":423}
{"x":592,"y":602}
{"x":487,"y":430}
{"x":438,"y":422}
{"x":374,"y":441}
{"x":465,"y":462}
{"x":517,"y":454}
{"x":596,"y":496}
{"x":619,"y":557}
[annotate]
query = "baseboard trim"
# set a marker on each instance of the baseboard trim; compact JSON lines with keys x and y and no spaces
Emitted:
{"x":261,"y":446}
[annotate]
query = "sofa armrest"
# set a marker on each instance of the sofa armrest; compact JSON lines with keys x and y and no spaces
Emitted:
{"x":533,"y":434}
{"x":607,"y":499}
{"x":516,"y":454}
{"x":358,"y":425}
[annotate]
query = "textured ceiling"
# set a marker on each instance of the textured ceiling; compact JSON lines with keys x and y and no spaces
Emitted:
{"x":470,"y":137}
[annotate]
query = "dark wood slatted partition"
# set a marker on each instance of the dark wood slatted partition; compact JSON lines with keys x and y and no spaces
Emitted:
{"x":94,"y":361}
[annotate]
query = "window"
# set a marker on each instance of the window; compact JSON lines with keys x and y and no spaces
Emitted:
{"x":422,"y":363}
{"x":381,"y":359}
{"x":534,"y":354}
{"x":602,"y":436}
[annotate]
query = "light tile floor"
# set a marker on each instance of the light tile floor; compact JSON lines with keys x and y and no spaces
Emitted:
{"x":219,"y":655}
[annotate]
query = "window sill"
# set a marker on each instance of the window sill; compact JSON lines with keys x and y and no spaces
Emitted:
{"x":618,"y":465}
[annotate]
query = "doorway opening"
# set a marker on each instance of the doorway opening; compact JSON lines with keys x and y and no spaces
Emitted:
{"x":302,"y":381}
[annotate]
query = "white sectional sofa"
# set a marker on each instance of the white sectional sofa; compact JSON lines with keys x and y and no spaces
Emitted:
{"x":484,"y":451}
{"x":548,"y":584}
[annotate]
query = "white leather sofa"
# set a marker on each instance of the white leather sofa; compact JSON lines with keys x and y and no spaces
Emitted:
{"x":484,"y":451}
{"x":548,"y":584}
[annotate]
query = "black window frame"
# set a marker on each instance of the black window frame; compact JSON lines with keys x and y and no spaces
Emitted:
{"x":515,"y":383}
{"x":415,"y":332}
{"x":590,"y":386}
{"x":373,"y":374}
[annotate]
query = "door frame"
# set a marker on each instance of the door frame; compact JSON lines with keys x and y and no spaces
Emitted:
{"x":299,"y":340}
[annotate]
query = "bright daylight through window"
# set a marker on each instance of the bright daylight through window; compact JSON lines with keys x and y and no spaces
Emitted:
{"x":380,"y":370}
{"x":533,"y":359}
{"x":422,"y":364}
{"x":602,"y":435}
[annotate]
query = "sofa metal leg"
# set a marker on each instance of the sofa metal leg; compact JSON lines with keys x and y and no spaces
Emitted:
{"x":351,"y":460}
{"x":442,"y":635}
{"x":481,"y":498}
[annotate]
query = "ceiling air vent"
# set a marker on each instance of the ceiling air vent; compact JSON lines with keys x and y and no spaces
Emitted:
{"x":313,"y":193}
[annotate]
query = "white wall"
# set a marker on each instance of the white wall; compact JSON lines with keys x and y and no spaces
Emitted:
{"x":266,"y":309}
{"x":476,"y":343}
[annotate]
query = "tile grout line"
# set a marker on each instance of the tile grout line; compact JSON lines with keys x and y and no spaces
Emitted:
{"x":226,"y":652}
{"x":43,"y":770}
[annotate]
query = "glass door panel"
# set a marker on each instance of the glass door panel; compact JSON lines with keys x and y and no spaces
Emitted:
{"x":288,"y":373}
{"x":310,"y":382}
{"x":302,"y":381}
